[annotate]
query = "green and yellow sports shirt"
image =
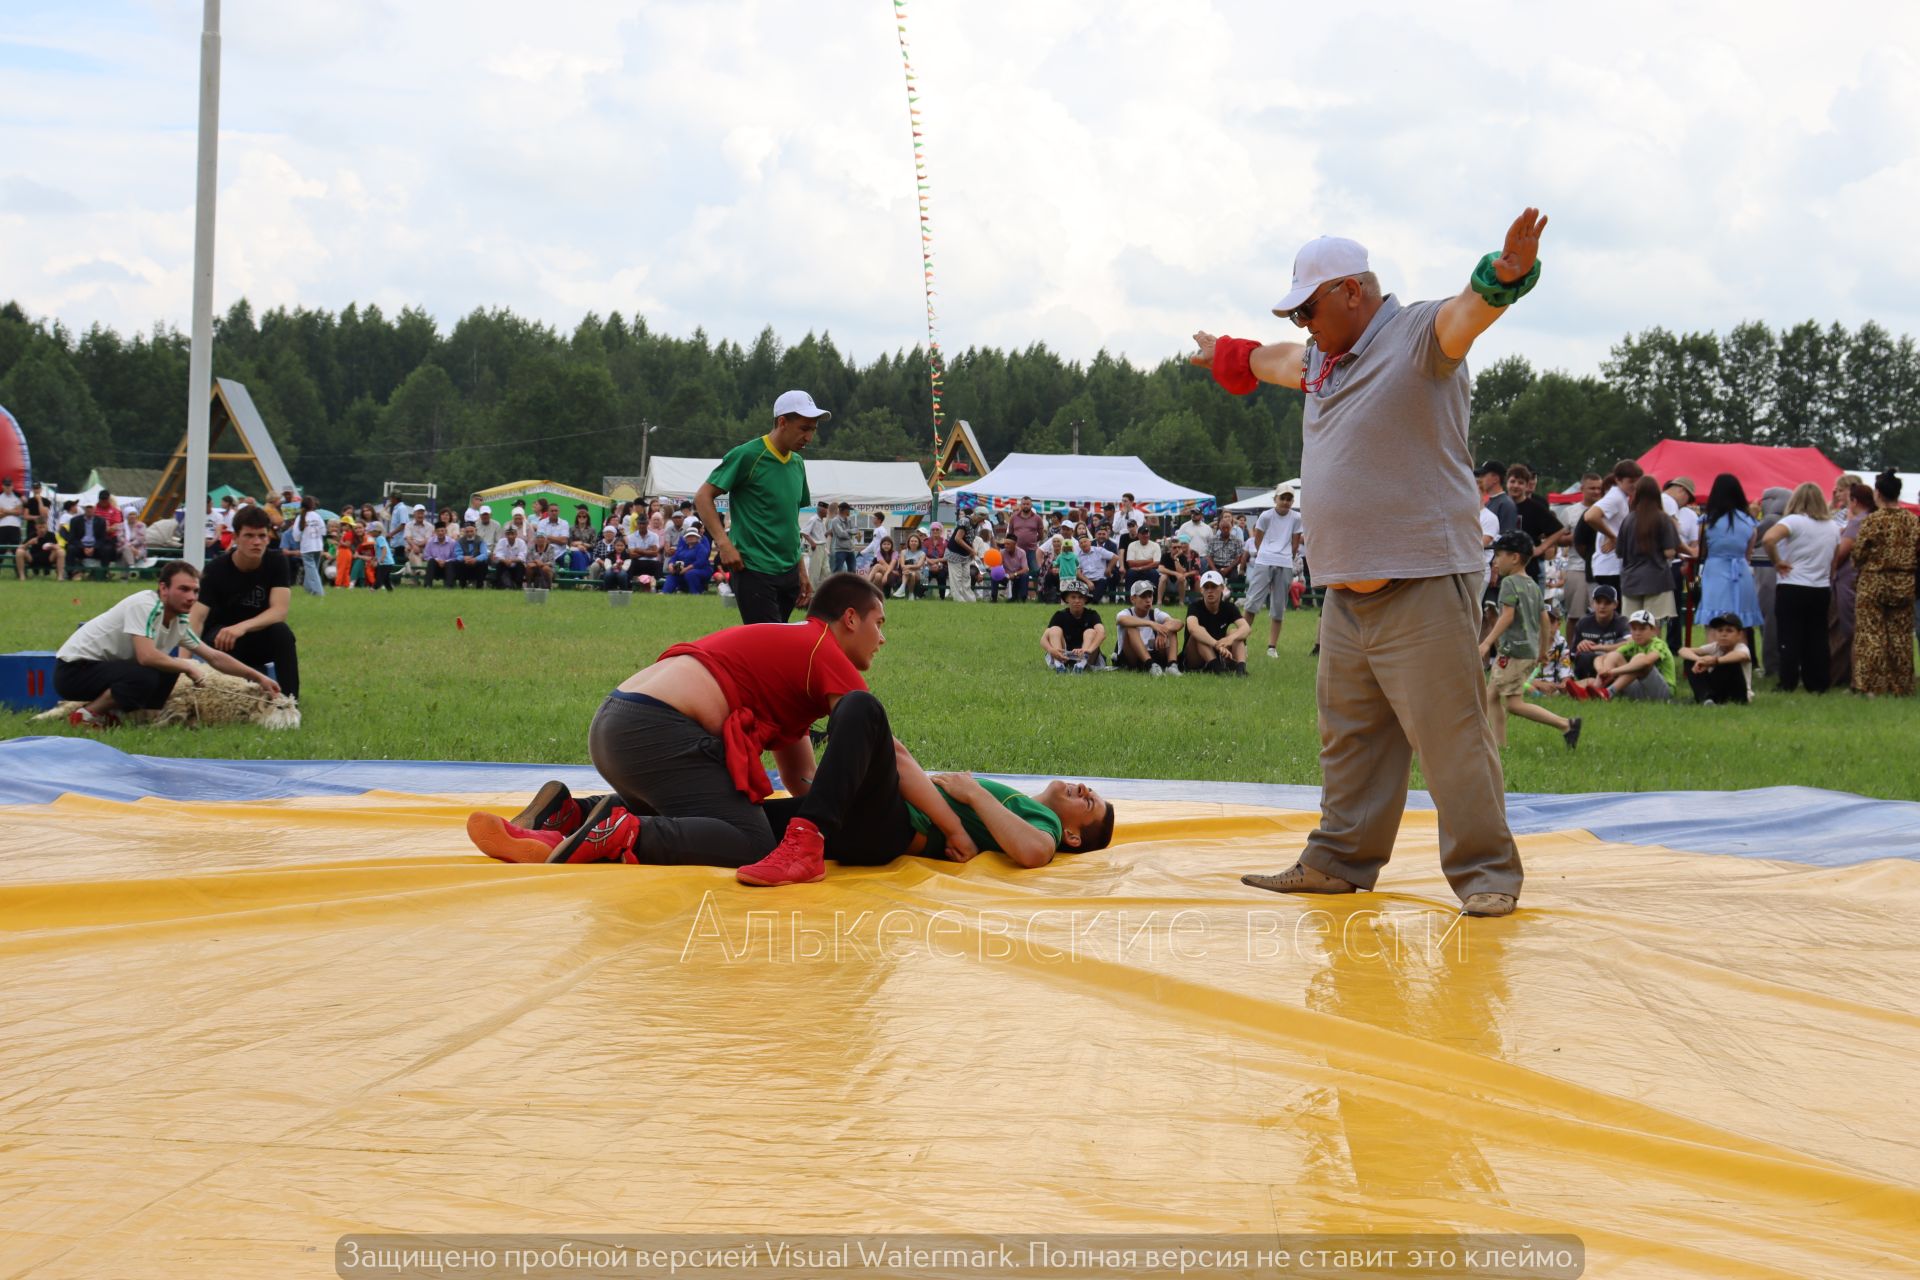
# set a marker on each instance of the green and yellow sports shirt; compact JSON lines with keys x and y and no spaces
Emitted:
{"x":767,"y":490}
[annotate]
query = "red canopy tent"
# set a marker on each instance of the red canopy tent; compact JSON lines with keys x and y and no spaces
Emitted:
{"x":1758,"y":467}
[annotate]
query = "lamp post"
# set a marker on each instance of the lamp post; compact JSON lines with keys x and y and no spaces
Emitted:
{"x":646,"y":431}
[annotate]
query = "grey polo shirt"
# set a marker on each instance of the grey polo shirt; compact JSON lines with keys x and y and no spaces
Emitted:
{"x":1386,"y":458}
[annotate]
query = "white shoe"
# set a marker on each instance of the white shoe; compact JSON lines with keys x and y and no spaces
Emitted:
{"x":1173,"y":670}
{"x":1157,"y":670}
{"x":1272,"y":652}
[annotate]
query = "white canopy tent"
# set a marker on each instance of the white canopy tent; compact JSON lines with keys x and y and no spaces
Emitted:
{"x":898,"y":488}
{"x":1260,"y":502}
{"x":1061,"y":480}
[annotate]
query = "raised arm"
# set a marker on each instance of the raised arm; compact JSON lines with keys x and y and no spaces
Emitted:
{"x":1468,"y":314}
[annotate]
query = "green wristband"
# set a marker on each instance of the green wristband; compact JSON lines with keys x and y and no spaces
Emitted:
{"x":1498,"y":292}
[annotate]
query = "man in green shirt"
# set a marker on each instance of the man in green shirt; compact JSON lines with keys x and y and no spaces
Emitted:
{"x":767,"y":481}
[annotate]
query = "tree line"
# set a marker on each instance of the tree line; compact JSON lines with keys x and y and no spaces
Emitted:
{"x":357,"y":398}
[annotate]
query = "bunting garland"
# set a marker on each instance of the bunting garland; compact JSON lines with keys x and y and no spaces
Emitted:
{"x":936,"y":364}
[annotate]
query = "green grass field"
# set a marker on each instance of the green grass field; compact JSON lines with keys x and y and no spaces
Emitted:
{"x":389,"y":676}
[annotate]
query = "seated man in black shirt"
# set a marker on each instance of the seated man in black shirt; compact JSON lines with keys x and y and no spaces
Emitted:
{"x":1075,"y":634}
{"x":41,"y":553}
{"x":1216,"y":632}
{"x":1601,"y":631}
{"x":242,"y":608}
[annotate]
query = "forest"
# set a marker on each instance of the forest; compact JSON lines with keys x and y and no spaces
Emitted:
{"x":357,"y":398}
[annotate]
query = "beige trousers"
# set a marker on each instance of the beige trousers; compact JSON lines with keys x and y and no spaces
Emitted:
{"x":1399,"y":673}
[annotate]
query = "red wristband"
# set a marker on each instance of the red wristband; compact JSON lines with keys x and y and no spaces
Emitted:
{"x":1232,"y":364}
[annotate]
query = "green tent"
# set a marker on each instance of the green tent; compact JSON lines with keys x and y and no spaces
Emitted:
{"x":501,"y":497}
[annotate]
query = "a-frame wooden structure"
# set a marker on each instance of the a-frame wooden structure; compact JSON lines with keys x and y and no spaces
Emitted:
{"x":232,"y":409}
{"x":961,"y":460}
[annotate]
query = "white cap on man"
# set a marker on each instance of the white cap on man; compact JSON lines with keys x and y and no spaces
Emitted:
{"x":1642,"y":618}
{"x":1212,"y":578}
{"x":1140,"y":588}
{"x":799,"y":402}
{"x":1328,"y":258}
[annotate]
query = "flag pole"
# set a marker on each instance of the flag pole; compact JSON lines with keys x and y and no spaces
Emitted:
{"x":200,"y":362}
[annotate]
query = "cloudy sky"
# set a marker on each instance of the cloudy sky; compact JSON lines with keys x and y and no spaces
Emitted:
{"x":1111,"y":174}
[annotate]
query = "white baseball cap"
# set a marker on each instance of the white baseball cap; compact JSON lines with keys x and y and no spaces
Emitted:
{"x":1141,"y":588}
{"x":1642,"y":618}
{"x":1212,"y":578}
{"x":801,"y":403}
{"x":1328,"y":258}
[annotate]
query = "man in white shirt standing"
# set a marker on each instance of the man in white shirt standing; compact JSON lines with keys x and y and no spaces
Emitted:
{"x":1198,"y":533}
{"x":12,"y":531}
{"x":313,"y":547}
{"x":1276,"y":541}
{"x":474,"y":508}
{"x":119,"y":661}
{"x":1605,"y":517}
{"x":813,"y":540}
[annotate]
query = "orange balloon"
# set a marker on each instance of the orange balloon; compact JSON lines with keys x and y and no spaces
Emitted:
{"x":993,"y":559}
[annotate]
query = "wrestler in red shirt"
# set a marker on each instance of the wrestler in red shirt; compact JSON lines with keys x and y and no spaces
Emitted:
{"x":681,"y":743}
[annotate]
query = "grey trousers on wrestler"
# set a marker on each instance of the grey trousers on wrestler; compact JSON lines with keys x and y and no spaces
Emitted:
{"x":1399,"y":673}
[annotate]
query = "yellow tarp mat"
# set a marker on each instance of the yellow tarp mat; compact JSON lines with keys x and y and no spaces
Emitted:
{"x":233,"y":1033}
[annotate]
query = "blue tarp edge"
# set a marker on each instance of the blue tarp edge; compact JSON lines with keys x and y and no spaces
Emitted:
{"x":1797,"y":824}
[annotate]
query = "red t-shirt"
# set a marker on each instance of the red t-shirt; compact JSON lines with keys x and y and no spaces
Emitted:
{"x":778,"y":678}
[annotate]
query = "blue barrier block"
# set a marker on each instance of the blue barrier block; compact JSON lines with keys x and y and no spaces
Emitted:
{"x":26,"y":680}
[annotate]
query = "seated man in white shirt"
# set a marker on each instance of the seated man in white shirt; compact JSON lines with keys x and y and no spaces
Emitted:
{"x":1146,"y":633}
{"x":119,"y":661}
{"x":416,"y":535}
{"x":510,"y":559}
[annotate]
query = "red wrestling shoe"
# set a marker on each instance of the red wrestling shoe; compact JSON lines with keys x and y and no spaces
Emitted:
{"x":799,"y":858}
{"x":552,"y":808}
{"x":608,"y":833}
{"x":508,"y":841}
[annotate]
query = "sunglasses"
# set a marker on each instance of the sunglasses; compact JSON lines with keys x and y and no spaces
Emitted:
{"x":1302,"y":315}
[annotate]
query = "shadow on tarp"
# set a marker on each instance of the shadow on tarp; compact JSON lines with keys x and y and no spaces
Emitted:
{"x":1796,"y":824}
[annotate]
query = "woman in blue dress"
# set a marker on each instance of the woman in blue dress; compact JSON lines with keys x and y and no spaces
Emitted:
{"x":1726,"y":578}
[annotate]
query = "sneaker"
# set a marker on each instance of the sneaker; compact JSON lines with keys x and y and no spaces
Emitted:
{"x":552,"y":808}
{"x":509,"y":841}
{"x":1604,"y":692}
{"x":1239,"y":668}
{"x":85,"y":719}
{"x":799,"y":858}
{"x":1315,"y":651}
{"x":607,"y":834}
{"x":1708,"y":702}
{"x":1272,"y":652}
{"x":1173,"y":669}
{"x":1488,"y":904}
{"x":1301,"y":878}
{"x":1575,"y":690}
{"x":1572,"y":735}
{"x":1156,"y":668}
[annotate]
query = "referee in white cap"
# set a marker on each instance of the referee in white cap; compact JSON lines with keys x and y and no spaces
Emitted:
{"x":1387,"y":397}
{"x":766,"y":480}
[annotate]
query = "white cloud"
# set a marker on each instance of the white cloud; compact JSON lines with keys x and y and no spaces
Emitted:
{"x":1113,"y":175}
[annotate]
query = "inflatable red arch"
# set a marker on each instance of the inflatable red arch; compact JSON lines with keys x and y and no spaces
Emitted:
{"x":14,"y":460}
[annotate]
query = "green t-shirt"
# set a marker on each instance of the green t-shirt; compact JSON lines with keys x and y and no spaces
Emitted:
{"x":1068,"y":564}
{"x":1666,"y":665}
{"x":1018,"y":803}
{"x":767,"y":494}
{"x":1522,"y":638}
